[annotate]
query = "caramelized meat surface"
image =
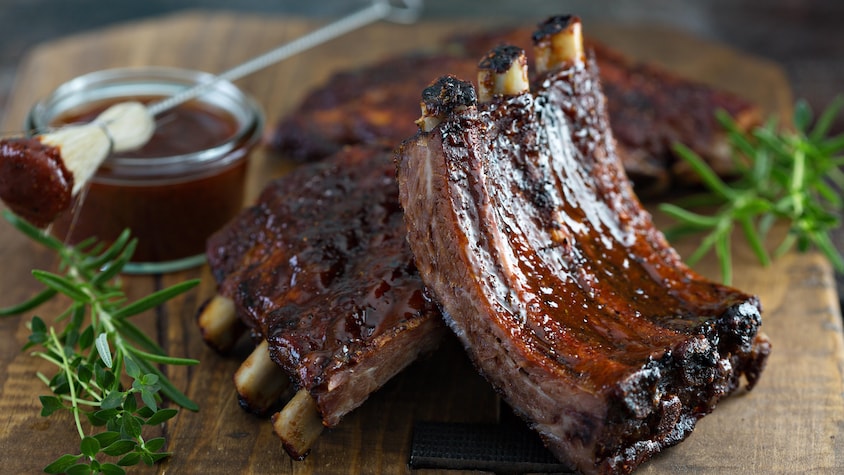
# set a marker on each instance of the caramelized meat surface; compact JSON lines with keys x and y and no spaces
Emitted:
{"x":321,"y":269}
{"x":374,"y":105}
{"x":526,"y":229}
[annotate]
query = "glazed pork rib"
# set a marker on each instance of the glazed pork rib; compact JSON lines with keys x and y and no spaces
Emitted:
{"x":320,"y":271}
{"x":650,"y":108}
{"x":567,"y":298}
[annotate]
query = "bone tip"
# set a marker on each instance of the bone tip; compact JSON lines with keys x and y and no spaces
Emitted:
{"x":556,"y":24}
{"x":503,"y":71}
{"x":259,"y":381}
{"x":218,"y":323}
{"x":445,"y":96}
{"x":559,"y":41}
{"x":298,"y":425}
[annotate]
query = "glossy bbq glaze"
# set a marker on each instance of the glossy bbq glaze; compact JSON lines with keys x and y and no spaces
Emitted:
{"x":569,"y":300}
{"x":34,"y":182}
{"x":320,"y":268}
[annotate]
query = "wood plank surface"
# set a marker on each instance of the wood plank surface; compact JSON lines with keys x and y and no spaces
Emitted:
{"x":791,"y":423}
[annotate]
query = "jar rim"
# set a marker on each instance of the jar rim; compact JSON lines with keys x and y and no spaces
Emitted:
{"x":153,"y":81}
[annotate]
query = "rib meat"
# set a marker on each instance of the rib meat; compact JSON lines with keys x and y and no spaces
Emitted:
{"x":567,"y":298}
{"x":650,"y":108}
{"x":320,"y":268}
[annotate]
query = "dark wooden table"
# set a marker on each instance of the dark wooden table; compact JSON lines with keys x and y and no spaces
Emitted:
{"x":790,"y":423}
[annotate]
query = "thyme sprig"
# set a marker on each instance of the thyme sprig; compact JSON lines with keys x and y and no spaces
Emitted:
{"x":107,"y":374}
{"x":791,"y":175}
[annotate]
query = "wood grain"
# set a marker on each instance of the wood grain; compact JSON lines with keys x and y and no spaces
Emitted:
{"x":791,"y":423}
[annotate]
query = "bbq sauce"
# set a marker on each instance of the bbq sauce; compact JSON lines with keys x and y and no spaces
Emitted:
{"x":172,"y":193}
{"x":188,"y":128}
{"x":171,"y":212}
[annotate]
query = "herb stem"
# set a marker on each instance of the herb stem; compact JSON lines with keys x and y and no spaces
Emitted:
{"x":60,"y":349}
{"x":92,"y":344}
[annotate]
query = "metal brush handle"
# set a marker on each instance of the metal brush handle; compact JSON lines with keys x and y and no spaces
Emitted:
{"x":407,"y":11}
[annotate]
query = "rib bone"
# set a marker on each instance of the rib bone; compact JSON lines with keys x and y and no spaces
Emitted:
{"x":298,"y":425}
{"x":503,"y":72}
{"x":219,"y":324}
{"x":558,"y":41}
{"x":260,"y":382}
{"x":436,"y":106}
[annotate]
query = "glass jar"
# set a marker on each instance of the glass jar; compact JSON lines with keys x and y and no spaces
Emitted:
{"x":173,"y":193}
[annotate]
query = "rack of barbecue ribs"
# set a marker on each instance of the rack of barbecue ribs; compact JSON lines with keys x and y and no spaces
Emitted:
{"x":528,"y":236}
{"x":320,"y":273}
{"x":526,"y":230}
{"x":650,"y":109}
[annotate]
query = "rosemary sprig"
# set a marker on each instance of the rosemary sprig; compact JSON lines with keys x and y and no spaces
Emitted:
{"x":106,"y":368}
{"x":783,"y":175}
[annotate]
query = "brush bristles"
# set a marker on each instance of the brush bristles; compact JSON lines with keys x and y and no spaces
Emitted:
{"x":83,"y":148}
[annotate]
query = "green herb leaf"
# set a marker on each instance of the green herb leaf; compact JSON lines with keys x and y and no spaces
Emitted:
{"x":162,"y":415}
{"x":107,"y":438}
{"x":62,"y":285}
{"x":103,"y":349}
{"x":165,"y":359}
{"x":132,"y":368}
{"x":133,"y":333}
{"x":120,"y":447}
{"x":130,"y":459}
{"x":30,"y":304}
{"x":788,"y":176}
{"x":113,"y":400}
{"x":50,"y":404}
{"x":62,"y":464}
{"x":80,"y":469}
{"x":154,"y":445}
{"x":149,"y":399}
{"x":95,"y":349}
{"x":112,"y":469}
{"x":155,"y":299}
{"x":90,"y":446}
{"x":36,"y":234}
{"x":86,"y":338}
{"x":131,"y":426}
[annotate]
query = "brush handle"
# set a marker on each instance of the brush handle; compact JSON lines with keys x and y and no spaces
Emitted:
{"x":377,"y":10}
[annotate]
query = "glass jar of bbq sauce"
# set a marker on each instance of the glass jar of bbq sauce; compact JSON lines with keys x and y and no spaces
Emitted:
{"x":174,"y":192}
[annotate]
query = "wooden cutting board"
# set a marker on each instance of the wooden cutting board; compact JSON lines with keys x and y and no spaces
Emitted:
{"x":791,"y":423}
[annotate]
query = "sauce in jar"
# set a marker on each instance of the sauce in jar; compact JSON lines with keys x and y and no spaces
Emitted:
{"x":175,"y":191}
{"x":188,"y":128}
